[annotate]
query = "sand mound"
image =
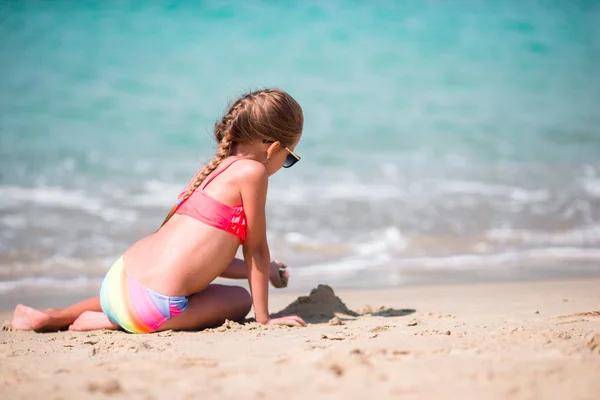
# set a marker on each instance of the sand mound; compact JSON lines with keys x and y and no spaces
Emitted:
{"x":320,"y":305}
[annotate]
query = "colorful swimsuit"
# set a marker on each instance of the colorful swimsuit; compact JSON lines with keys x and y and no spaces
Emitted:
{"x":134,"y":307}
{"x":205,"y":209}
{"x":138,"y":309}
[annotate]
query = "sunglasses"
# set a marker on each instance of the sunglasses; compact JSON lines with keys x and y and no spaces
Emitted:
{"x":291,"y":159}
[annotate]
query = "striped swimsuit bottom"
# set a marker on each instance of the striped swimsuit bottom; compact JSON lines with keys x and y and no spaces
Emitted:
{"x":134,"y":307}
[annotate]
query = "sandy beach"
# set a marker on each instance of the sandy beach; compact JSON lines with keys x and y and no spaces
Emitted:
{"x":528,"y":340}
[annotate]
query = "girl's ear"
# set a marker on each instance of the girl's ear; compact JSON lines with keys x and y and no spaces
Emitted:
{"x":271,"y":149}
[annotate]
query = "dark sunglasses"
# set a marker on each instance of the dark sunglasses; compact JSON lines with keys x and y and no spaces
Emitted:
{"x":291,"y":159}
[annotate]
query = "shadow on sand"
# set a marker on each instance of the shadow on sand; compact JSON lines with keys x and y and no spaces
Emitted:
{"x":322,"y":305}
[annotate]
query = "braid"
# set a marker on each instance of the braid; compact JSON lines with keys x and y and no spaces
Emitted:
{"x":263,"y":114}
{"x":222,"y":153}
{"x":225,"y":138}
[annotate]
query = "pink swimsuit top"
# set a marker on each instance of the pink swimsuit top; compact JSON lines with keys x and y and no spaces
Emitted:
{"x":206,"y":209}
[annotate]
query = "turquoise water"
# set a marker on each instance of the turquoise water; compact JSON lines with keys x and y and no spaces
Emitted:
{"x":439,"y":135}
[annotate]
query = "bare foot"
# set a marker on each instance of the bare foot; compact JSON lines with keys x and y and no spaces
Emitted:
{"x":279,"y":275}
{"x":28,"y":319}
{"x":91,"y":321}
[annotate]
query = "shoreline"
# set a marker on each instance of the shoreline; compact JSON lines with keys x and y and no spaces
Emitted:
{"x":49,"y":298}
{"x":516,"y":340}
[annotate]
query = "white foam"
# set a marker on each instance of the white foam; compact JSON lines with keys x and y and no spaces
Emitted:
{"x":591,"y":186}
{"x":14,"y":221}
{"x":389,"y":239}
{"x":349,"y":187}
{"x":360,"y":191}
{"x":14,"y":196}
{"x":48,"y":196}
{"x":537,"y":257}
{"x":344,"y":267}
{"x":513,"y":193}
{"x":517,"y":258}
{"x":581,"y":236}
{"x":328,"y":191}
{"x":51,"y":283}
{"x":296,"y":238}
{"x":156,"y":194}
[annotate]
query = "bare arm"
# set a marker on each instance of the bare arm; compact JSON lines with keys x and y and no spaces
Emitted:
{"x":256,"y":250}
{"x":278,"y":276}
{"x":235,"y":270}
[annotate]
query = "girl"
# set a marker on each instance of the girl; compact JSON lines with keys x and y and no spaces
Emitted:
{"x":164,"y":280}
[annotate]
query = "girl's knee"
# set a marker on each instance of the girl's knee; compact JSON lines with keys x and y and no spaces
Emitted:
{"x":243,"y":300}
{"x":244,"y":297}
{"x":235,"y":301}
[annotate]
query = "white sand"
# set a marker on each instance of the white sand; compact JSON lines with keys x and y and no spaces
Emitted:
{"x":525,"y":340}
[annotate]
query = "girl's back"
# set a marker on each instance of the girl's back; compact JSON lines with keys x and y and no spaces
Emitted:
{"x":183,"y":246}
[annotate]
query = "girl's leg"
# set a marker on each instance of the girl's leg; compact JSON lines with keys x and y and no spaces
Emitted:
{"x":51,"y":319}
{"x":209,"y":308}
{"x":54,"y":319}
{"x":92,"y":321}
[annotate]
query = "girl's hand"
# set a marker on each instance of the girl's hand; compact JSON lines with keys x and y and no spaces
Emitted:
{"x":278,"y":274}
{"x":287,"y":320}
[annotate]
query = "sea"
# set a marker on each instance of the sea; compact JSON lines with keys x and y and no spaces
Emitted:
{"x":444,"y":141}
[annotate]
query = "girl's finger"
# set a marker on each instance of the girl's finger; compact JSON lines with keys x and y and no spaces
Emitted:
{"x":302,"y":322}
{"x":297,"y":320}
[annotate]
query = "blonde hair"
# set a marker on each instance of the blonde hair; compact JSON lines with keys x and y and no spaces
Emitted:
{"x":269,"y":114}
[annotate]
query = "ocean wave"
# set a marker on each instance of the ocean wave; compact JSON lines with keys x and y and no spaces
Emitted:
{"x":156,"y":194}
{"x":355,"y":268}
{"x":57,"y":197}
{"x":406,"y":191}
{"x":50,"y":283}
{"x":579,"y":236}
{"x":591,"y":186}
{"x":11,"y":196}
{"x":514,"y":193}
{"x":475,"y":262}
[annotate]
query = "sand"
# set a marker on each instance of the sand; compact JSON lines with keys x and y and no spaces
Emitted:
{"x":528,"y":340}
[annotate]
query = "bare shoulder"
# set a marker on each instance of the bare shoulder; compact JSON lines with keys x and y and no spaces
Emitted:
{"x":251,"y":171}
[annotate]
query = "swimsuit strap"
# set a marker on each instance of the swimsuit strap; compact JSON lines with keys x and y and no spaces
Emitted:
{"x":180,"y":197}
{"x":217,"y":173}
{"x":193,"y":178}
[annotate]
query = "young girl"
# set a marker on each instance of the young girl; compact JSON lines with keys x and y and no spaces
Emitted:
{"x":164,"y":280}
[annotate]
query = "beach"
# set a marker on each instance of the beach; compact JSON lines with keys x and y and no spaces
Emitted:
{"x":448,"y":194}
{"x":519,"y":340}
